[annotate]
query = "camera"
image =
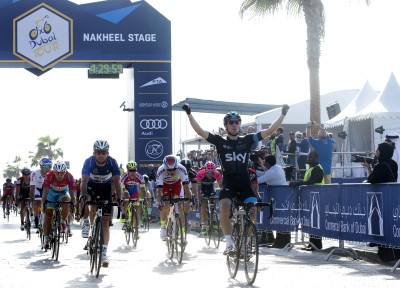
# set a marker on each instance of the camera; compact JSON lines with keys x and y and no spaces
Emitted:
{"x":254,"y":155}
{"x":361,"y":159}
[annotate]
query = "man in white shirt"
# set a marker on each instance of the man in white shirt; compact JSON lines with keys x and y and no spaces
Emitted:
{"x":274,"y":175}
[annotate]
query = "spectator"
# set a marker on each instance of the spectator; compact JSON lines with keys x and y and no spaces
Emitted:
{"x":291,"y":150}
{"x":121,"y":169}
{"x":304,"y":147}
{"x":251,"y":130}
{"x":279,"y":138}
{"x":314,"y":175}
{"x":393,"y":138}
{"x":274,"y":175}
{"x":386,"y":170}
{"x":324,"y":146}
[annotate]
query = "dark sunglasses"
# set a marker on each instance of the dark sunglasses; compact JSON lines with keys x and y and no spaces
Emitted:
{"x":231,"y":122}
{"x":132,"y":170}
{"x":171,"y":169}
{"x":46,"y":166}
{"x":100,"y":152}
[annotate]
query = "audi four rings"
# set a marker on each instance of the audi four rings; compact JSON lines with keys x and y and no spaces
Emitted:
{"x":153,"y":124}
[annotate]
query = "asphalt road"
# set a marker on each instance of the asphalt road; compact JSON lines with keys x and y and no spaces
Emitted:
{"x":24,"y":264}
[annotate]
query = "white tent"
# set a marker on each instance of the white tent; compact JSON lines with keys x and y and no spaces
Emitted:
{"x":361,"y":124}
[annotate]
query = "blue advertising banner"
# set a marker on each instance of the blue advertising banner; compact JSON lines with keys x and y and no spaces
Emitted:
{"x":316,"y":202}
{"x":153,"y":113}
{"x":286,"y":212}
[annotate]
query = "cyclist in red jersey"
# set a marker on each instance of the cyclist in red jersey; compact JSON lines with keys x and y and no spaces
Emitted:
{"x":59,"y":185}
{"x":171,"y":175}
{"x":8,"y":190}
{"x":234,"y":152}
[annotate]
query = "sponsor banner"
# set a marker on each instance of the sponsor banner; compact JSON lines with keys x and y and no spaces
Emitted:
{"x":286,"y":212}
{"x":153,"y":113}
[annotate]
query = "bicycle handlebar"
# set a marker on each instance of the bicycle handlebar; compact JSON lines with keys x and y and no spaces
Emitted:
{"x":96,"y":202}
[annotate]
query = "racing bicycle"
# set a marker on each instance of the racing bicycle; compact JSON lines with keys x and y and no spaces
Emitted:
{"x":244,"y":234}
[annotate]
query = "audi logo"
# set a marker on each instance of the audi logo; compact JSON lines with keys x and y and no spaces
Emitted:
{"x":148,"y":124}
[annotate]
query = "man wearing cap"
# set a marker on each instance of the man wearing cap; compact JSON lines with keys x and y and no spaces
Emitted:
{"x":393,"y":138}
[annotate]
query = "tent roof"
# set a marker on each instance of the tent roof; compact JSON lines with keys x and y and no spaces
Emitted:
{"x":299,"y":113}
{"x":221,"y":107}
{"x":363,"y":98}
{"x":385,"y":106}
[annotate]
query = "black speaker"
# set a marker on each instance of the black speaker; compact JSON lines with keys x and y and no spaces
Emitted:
{"x":333,"y":109}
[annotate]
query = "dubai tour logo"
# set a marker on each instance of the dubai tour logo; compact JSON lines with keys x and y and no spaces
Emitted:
{"x":154,"y":149}
{"x":42,"y":36}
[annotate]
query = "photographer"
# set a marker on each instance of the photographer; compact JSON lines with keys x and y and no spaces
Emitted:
{"x":386,"y":168}
{"x":255,"y":157}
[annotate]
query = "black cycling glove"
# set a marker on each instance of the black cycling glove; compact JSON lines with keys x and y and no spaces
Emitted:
{"x":285,"y":108}
{"x":186,"y":108}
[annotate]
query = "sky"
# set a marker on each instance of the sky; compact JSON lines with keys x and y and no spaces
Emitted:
{"x":215,"y":55}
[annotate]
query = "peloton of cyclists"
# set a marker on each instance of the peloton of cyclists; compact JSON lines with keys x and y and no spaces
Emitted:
{"x":59,"y":185}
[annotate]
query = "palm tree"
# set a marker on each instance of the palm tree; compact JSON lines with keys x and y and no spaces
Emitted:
{"x":13,"y":169}
{"x":45,"y":149}
{"x":314,"y":14}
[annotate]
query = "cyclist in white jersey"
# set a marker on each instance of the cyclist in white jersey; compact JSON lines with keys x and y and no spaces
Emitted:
{"x":170,"y":175}
{"x":36,"y":182}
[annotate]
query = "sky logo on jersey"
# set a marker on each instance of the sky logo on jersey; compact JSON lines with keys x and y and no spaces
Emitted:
{"x":156,"y":81}
{"x":236,"y":157}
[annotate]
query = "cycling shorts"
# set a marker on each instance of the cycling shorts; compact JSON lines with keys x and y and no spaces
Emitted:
{"x":237,"y":186}
{"x":176,"y":188}
{"x":57,"y":196}
{"x":104,"y":195}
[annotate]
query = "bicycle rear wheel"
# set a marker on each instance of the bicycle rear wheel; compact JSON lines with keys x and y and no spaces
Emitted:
{"x":232,"y":261}
{"x":207,"y":237}
{"x":251,"y":252}
{"x":214,"y":230}
{"x":170,"y":241}
{"x":135,"y":226}
{"x":179,"y":239}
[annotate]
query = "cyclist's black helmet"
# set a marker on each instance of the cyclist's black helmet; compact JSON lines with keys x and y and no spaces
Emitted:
{"x":232,"y":115}
{"x":186,"y":163}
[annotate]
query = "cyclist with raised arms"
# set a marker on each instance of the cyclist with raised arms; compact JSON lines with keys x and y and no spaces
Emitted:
{"x":22,"y":192}
{"x":37,"y":179}
{"x":234,"y":152}
{"x":99,"y":173}
{"x":171,"y":175}
{"x":133,"y":185}
{"x":58,"y":185}
{"x":206,"y":179}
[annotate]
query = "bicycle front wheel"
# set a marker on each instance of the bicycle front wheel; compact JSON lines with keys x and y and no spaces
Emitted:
{"x":8,"y":211}
{"x":170,"y":239}
{"x":135,"y":226}
{"x":128,"y":229}
{"x":209,"y":232}
{"x":27,"y":224}
{"x":214,"y":230}
{"x":232,"y":261}
{"x":251,"y":252}
{"x":179,"y":239}
{"x":56,"y":239}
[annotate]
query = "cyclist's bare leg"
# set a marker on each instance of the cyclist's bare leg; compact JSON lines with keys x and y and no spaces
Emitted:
{"x":139,"y":212}
{"x":106,"y":229}
{"x":65,"y":208}
{"x":225,"y":211}
{"x":48,"y":215}
{"x":203,"y":210}
{"x":22,"y":210}
{"x":182,"y":215}
{"x":126,"y":203}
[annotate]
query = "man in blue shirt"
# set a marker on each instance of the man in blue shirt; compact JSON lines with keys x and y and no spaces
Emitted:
{"x":324,"y":146}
